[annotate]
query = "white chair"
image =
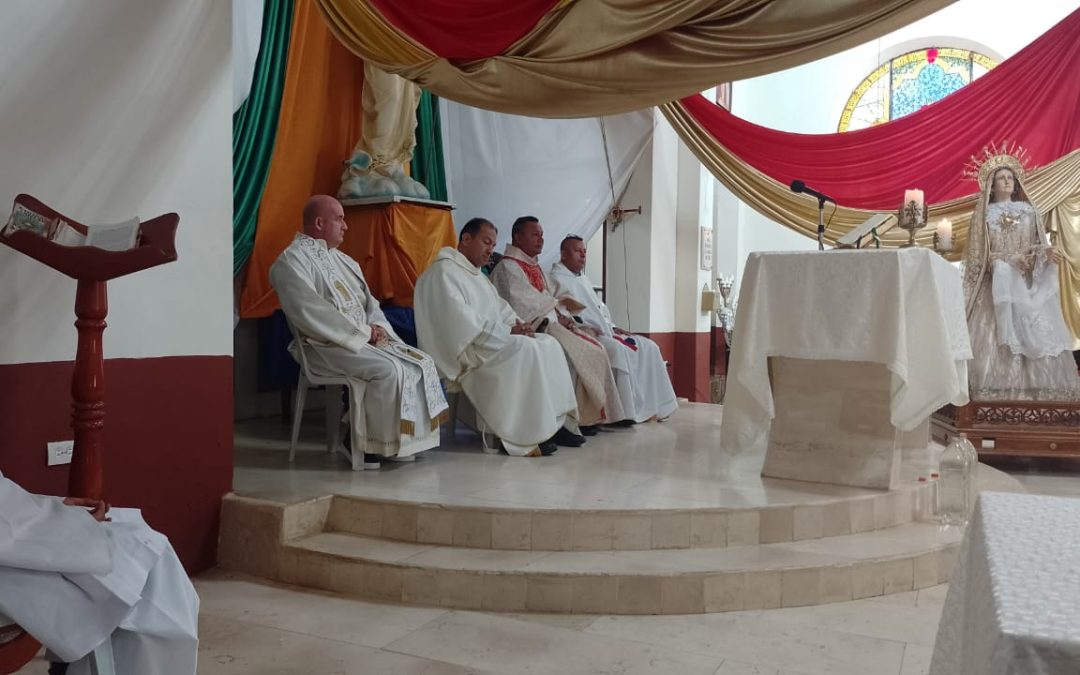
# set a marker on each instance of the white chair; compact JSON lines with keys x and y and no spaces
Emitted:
{"x":335,"y":385}
{"x":454,"y":394}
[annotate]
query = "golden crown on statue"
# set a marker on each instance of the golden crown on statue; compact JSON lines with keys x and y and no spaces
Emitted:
{"x":1007,"y":155}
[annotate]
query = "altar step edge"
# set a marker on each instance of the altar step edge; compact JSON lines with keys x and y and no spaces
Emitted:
{"x":518,"y":529}
{"x":671,"y":581}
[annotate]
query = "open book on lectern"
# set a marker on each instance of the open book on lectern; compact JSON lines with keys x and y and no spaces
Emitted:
{"x":853,"y":239}
{"x":112,"y":237}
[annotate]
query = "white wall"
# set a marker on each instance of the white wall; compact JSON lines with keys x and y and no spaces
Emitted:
{"x":110,"y":109}
{"x":810,"y":98}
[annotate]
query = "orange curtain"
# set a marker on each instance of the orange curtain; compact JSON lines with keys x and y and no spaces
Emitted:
{"x":320,"y":121}
{"x":395,"y":243}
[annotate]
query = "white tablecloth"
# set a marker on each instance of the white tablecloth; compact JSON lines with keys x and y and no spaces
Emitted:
{"x":1014,"y":599}
{"x":902,"y":308}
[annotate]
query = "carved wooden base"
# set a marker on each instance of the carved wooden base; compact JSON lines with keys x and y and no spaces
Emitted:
{"x":1013,"y":428}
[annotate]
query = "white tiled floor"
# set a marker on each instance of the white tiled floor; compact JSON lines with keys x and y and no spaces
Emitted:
{"x":671,"y":465}
{"x":252,"y":627}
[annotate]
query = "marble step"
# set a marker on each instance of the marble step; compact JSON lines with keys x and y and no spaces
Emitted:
{"x":677,"y":581}
{"x":796,"y":514}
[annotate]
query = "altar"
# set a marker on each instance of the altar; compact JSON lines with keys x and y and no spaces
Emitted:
{"x":839,"y":360}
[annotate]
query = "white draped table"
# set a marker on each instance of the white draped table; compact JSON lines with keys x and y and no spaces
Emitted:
{"x":840,"y":357}
{"x":1014,"y":599}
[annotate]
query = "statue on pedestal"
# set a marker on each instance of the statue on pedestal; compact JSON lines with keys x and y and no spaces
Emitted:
{"x":377,"y":165}
{"x":1019,"y":339}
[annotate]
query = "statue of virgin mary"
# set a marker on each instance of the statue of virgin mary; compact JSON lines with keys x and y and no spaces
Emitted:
{"x":1019,"y":340}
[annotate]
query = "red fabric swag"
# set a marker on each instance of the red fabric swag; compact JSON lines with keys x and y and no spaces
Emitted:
{"x":464,"y":29}
{"x":1032,"y":98}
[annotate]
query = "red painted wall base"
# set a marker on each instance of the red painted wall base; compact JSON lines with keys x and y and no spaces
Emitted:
{"x":688,"y":356}
{"x":168,"y":440}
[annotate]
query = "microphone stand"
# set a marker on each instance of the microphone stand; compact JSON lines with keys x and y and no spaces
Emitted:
{"x":821,"y":224}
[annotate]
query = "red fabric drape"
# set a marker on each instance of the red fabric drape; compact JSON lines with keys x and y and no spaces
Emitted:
{"x":464,"y":29}
{"x":1032,"y":98}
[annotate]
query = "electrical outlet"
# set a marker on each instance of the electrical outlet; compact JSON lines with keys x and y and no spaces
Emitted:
{"x":59,"y":452}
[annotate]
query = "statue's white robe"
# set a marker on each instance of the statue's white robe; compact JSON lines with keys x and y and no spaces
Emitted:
{"x":519,"y":385}
{"x":336,"y":343}
{"x":640,"y":372}
{"x":72,"y":583}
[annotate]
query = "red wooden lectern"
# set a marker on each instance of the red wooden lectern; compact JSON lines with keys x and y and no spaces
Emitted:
{"x":92,"y":267}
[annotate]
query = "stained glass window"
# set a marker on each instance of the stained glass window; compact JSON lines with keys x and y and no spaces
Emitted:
{"x":909,"y":82}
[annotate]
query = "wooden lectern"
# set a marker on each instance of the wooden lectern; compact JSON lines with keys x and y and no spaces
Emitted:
{"x":92,"y":267}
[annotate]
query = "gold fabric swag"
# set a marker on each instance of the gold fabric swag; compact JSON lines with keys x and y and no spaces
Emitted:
{"x":599,"y":57}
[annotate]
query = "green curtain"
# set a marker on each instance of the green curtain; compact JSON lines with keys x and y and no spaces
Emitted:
{"x":255,"y":125}
{"x":427,"y":164}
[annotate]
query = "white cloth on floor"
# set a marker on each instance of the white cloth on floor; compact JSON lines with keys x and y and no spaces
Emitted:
{"x":903,"y":309}
{"x":519,"y":385}
{"x":327,"y":301}
{"x":640,"y":372}
{"x":72,"y":582}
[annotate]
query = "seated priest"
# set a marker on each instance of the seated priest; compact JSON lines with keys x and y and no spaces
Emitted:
{"x":72,"y":578}
{"x":518,"y":381}
{"x":640,"y":372}
{"x":337,"y":322}
{"x":521,"y":281}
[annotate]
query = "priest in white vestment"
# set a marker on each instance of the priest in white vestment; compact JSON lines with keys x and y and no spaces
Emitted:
{"x":72,"y":581}
{"x":395,"y":396}
{"x":518,"y":382}
{"x":521,"y":281}
{"x":640,"y":372}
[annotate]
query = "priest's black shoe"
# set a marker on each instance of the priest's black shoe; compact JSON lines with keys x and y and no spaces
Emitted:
{"x":548,"y":448}
{"x":622,"y":423}
{"x":567,"y":438}
{"x":590,"y":430}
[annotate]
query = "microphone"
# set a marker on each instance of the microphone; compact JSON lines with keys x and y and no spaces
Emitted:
{"x":799,"y":186}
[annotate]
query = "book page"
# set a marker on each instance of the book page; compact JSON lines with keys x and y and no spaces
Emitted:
{"x":66,"y":235}
{"x":118,"y":237}
{"x":23,"y":218}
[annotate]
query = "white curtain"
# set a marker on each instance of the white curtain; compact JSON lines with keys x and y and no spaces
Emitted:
{"x":110,"y":110}
{"x":247,"y":16}
{"x":502,"y":166}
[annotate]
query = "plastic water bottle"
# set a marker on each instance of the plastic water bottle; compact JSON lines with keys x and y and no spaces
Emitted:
{"x":971,"y":455}
{"x":953,"y":489}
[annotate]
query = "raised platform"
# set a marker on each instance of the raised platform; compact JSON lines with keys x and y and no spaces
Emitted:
{"x":641,"y":520}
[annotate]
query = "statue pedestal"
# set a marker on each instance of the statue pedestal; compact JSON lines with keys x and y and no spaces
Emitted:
{"x":395,"y":239}
{"x":92,"y":267}
{"x":1013,"y":428}
{"x":832,"y":424}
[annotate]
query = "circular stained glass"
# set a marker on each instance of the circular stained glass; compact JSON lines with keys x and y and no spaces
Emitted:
{"x":909,"y":82}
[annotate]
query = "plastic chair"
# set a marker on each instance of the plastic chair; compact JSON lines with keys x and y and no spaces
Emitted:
{"x":334,"y":387}
{"x":454,"y":395}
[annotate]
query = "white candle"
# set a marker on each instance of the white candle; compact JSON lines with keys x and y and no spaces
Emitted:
{"x":944,"y":234}
{"x":914,"y":196}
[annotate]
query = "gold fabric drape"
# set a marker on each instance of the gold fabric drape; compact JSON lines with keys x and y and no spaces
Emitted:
{"x":1065,"y":221}
{"x":600,"y":57}
{"x":1054,"y":189}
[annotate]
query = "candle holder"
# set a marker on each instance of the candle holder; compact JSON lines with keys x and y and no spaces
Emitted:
{"x":912,"y":217}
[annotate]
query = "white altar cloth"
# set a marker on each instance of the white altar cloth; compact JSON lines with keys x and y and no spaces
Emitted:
{"x":901,"y":308}
{"x":1014,"y":599}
